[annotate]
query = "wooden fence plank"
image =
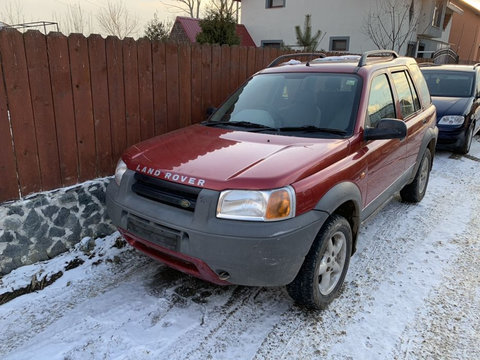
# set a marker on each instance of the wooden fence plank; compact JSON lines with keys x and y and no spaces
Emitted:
{"x":101,"y":111}
{"x":145,"y":85}
{"x":82,"y":102}
{"x":59,"y":63}
{"x":207,"y":78}
{"x":8,"y":169}
{"x":132,"y":100}
{"x":197,"y":113}
{"x":242,"y":64}
{"x":185,"y":84}
{"x":259,"y":59}
{"x":251,"y":52}
{"x":159,"y":87}
{"x":21,"y":114}
{"x":42,"y":102}
{"x":234,"y":70}
{"x":116,"y":93}
{"x":173,"y":103}
{"x":217,"y":79}
{"x":225,"y":71}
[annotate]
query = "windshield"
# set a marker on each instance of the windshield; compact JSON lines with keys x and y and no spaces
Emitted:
{"x":449,"y":83}
{"x":320,"y":105}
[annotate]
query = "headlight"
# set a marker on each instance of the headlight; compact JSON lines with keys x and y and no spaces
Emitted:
{"x":119,"y":171}
{"x":451,"y":120}
{"x":265,"y":205}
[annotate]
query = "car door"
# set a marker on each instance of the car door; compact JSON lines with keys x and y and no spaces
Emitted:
{"x":411,"y":113}
{"x":385,"y":158}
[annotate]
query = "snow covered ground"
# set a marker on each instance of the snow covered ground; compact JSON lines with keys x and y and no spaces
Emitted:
{"x":412,"y":292}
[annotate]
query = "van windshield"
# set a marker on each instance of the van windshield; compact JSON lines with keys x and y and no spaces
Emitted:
{"x":449,"y":83}
{"x":322,"y":104}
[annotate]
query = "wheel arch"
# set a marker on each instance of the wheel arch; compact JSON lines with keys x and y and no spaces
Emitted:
{"x":429,"y":141}
{"x":344,"y":199}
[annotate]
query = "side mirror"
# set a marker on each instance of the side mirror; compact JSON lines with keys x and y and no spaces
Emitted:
{"x":211,"y":110}
{"x":386,"y":129}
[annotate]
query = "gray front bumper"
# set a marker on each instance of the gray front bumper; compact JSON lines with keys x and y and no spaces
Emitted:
{"x":252,"y":253}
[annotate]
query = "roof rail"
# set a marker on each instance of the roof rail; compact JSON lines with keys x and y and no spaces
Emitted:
{"x":382,"y":53}
{"x":425,"y":64}
{"x":476,"y":65}
{"x":279,"y":59}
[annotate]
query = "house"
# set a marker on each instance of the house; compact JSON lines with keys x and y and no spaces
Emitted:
{"x":465,"y":32}
{"x":425,"y":23}
{"x":186,"y":29}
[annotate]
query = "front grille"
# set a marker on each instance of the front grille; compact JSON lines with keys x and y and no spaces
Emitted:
{"x":155,"y":233}
{"x":165,"y":192}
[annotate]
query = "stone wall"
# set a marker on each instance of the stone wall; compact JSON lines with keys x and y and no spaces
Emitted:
{"x":44,"y":225}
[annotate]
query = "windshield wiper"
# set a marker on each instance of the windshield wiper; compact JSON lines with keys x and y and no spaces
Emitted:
{"x":244,"y":124}
{"x":311,"y":128}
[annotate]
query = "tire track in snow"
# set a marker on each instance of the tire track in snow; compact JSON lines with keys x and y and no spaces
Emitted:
{"x":384,"y":241}
{"x":449,"y":327}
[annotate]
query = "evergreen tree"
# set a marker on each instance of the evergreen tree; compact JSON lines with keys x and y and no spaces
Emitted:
{"x":157,"y":30}
{"x":218,"y":27}
{"x":305,"y":38}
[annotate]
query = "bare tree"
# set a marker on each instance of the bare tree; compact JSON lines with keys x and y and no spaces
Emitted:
{"x":74,"y":20}
{"x":391,"y":24}
{"x":12,"y":13}
{"x":116,"y":20}
{"x":190,"y":7}
{"x":225,"y":7}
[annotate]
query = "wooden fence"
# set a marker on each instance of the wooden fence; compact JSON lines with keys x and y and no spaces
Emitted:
{"x":69,"y":106}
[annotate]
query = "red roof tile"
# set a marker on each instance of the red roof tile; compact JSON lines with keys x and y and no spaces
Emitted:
{"x":191,"y":27}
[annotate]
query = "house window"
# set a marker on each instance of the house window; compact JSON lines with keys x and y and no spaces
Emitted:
{"x":339,"y":43}
{"x":272,"y":43}
{"x":437,"y":14}
{"x":275,"y":4}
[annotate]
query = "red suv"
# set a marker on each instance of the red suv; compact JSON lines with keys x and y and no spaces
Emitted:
{"x":272,"y":189}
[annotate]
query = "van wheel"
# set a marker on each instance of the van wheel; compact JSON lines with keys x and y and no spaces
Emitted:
{"x":415,"y":191}
{"x":322,"y":274}
{"x":467,"y":142}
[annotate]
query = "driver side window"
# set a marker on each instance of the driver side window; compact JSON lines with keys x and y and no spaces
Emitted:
{"x":380,"y":102}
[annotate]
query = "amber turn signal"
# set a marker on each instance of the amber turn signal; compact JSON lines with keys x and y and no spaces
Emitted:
{"x":278,"y":205}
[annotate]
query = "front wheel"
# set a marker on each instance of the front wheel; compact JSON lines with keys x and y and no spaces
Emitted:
{"x":322,"y":274}
{"x":415,"y":191}
{"x":467,"y":142}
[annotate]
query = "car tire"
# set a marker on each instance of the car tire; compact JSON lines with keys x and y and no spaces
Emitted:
{"x":322,"y":274}
{"x":415,"y":191}
{"x":467,"y":142}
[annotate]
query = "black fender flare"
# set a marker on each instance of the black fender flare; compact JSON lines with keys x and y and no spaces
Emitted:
{"x":337,"y":196}
{"x":430,"y":134}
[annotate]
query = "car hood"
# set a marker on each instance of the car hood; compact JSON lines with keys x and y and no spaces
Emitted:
{"x":222,"y":159}
{"x":451,"y":105}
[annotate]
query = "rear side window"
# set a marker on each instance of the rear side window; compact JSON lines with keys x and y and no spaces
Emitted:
{"x":405,"y":94}
{"x":380,"y":102}
{"x":421,"y":84}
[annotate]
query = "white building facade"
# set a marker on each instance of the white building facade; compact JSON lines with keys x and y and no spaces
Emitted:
{"x":426,"y":23}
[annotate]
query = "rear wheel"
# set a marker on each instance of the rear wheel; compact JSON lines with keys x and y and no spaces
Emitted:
{"x":415,"y":191}
{"x":322,"y":274}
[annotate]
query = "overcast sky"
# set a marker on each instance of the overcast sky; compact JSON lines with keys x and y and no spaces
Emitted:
{"x":57,"y":10}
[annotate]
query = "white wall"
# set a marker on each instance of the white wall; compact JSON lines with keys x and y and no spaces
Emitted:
{"x":279,"y":23}
{"x":335,"y":17}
